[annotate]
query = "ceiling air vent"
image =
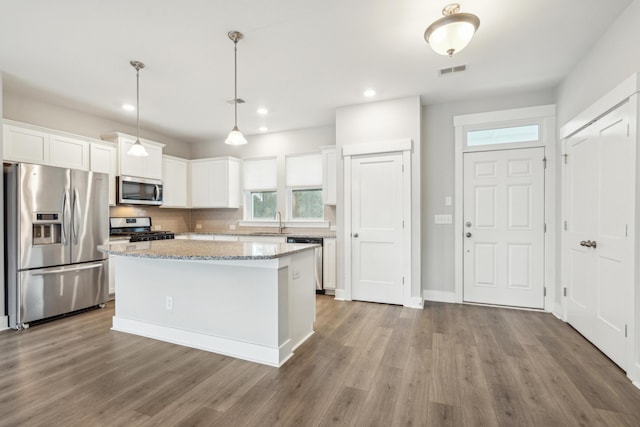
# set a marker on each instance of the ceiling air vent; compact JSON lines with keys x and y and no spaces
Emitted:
{"x":451,"y":70}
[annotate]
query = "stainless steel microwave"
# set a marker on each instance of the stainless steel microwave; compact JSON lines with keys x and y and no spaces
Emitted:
{"x":139,"y":191}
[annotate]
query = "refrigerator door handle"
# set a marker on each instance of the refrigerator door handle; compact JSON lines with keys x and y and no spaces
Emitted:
{"x":64,"y":219}
{"x":76,"y":217}
{"x":65,"y":270}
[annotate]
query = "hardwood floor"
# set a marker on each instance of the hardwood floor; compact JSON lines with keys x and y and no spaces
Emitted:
{"x":367,"y":365}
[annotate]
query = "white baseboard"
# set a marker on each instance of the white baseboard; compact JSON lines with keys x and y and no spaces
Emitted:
{"x":4,"y":323}
{"x":415,"y":302}
{"x":340,"y":294}
{"x":228,"y":347}
{"x":439,"y":296}
{"x":558,"y":315}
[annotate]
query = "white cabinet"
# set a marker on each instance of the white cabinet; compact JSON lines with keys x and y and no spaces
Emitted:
{"x":142,"y":167}
{"x":185,"y":236}
{"x":174,"y":180}
{"x":329,"y":176}
{"x":104,"y":159}
{"x":25,"y":145}
{"x":66,"y":152}
{"x":329,"y":264}
{"x":31,"y":144}
{"x":215,"y":183}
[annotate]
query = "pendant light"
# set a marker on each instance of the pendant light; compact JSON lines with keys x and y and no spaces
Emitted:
{"x":235,"y":136}
{"x":137,"y":149}
{"x":453,"y":32}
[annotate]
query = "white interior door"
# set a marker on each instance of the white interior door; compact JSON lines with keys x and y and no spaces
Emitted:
{"x":597,"y":245}
{"x":376,"y":238}
{"x":504,"y":227}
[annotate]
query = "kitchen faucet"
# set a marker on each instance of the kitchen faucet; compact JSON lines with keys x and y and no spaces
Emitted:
{"x":278,"y":216}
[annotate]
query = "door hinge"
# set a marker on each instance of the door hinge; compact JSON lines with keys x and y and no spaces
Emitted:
{"x":402,"y":168}
{"x":403,"y":224}
{"x":625,"y":331}
{"x":403,"y":280}
{"x":545,"y":227}
{"x":565,"y":226}
{"x":565,"y":158}
{"x":545,"y":292}
{"x":544,"y":162}
{"x":565,"y":292}
{"x":626,"y":230}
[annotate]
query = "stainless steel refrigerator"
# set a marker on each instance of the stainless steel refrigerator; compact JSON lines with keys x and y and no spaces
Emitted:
{"x":55,"y":219}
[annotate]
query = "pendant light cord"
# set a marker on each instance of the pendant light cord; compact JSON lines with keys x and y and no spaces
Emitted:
{"x":137,"y":104}
{"x":235,"y":84}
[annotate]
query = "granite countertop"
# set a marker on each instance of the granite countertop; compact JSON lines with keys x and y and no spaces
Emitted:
{"x":203,"y":250}
{"x":323,"y":234}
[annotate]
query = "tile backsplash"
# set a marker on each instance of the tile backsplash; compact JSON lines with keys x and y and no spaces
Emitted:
{"x":185,"y":220}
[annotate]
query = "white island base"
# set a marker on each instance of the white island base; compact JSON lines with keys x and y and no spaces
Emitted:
{"x":258,"y":310}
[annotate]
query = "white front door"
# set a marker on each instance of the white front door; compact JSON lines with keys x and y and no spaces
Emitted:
{"x":376,"y":238}
{"x":504,"y":227}
{"x":597,"y":245}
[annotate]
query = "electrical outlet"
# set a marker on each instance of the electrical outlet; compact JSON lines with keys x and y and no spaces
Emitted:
{"x":169,"y":303}
{"x":295,"y":274}
{"x":447,"y":201}
{"x":198,"y":226}
{"x":157,"y":227}
{"x":232,"y":226}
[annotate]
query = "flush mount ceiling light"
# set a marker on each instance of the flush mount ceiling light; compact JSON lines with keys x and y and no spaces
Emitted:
{"x":369,"y":93}
{"x":235,"y":136}
{"x":453,"y":32}
{"x":262,"y":111}
{"x":137,"y":149}
{"x":128,"y":107}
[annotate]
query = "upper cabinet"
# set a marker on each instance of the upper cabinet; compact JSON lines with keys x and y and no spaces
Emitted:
{"x":104,"y":158}
{"x":31,"y":144}
{"x":329,"y":175}
{"x":215,"y":183}
{"x":174,"y":180}
{"x":142,"y":167}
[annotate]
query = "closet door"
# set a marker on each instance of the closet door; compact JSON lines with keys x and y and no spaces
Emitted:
{"x":598,"y":241}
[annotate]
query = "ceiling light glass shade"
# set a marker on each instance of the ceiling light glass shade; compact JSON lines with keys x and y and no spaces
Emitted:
{"x":452,"y":33}
{"x":138,"y":150}
{"x":235,"y":137}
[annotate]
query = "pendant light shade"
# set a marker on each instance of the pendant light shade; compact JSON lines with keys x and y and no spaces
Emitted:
{"x":453,"y":32}
{"x":235,"y":136}
{"x":137,"y":149}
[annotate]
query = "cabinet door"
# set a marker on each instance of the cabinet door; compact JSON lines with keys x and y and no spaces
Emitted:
{"x":174,"y":178}
{"x":329,"y":177}
{"x":25,"y":145}
{"x":67,"y":152}
{"x":219,"y":183}
{"x":329,"y":263}
{"x":153,"y":162}
{"x":104,"y":159}
{"x":200,"y":185}
{"x":130,"y":165}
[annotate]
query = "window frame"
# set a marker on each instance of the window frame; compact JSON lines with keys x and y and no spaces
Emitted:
{"x":290,"y":191}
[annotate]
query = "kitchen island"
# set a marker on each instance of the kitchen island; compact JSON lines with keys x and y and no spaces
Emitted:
{"x":254,"y":301}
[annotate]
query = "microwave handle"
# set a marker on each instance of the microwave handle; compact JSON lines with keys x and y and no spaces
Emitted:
{"x":156,"y":192}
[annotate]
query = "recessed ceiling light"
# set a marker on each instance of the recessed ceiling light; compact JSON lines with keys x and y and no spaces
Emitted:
{"x":263,"y":111}
{"x":369,"y":93}
{"x":263,"y":128}
{"x":129,"y":107}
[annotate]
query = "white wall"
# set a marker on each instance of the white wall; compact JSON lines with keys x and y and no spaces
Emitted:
{"x":379,"y":121}
{"x":36,"y":112}
{"x":438,"y":178}
{"x":611,"y":60}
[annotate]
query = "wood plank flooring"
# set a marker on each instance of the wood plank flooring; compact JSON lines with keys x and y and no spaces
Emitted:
{"x":366,"y":365}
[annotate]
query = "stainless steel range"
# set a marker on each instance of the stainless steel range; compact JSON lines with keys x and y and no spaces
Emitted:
{"x":136,"y":229}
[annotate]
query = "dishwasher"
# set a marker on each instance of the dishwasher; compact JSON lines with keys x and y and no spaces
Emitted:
{"x":317,"y":266}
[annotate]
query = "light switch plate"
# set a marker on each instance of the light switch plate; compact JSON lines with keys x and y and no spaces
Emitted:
{"x":443,"y":219}
{"x":447,"y":201}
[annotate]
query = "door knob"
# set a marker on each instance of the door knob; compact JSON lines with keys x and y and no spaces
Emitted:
{"x":589,"y":244}
{"x":468,"y":235}
{"x":355,"y":234}
{"x":583,"y":243}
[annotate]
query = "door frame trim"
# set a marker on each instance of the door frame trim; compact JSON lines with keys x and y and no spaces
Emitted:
{"x":545,"y":116}
{"x":404,"y":147}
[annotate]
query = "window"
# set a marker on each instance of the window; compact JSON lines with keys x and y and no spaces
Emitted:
{"x":505,"y":135}
{"x":263,"y":205}
{"x":260,"y":188}
{"x":307,"y":204}
{"x":304,"y":187}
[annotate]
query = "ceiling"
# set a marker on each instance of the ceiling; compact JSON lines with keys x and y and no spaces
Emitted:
{"x":299,"y":59}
